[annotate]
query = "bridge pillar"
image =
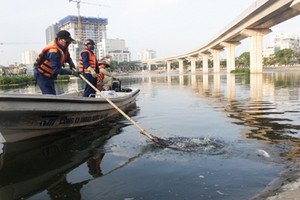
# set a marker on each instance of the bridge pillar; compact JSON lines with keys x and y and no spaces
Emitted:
{"x":149,"y":66}
{"x":168,"y":66}
{"x":193,"y":64}
{"x":230,"y":54}
{"x":180,"y":62}
{"x":256,"y":60}
{"x":216,"y":59}
{"x":204,"y":63}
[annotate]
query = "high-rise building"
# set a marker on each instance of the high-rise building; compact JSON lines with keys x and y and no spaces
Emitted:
{"x":115,"y":49}
{"x":29,"y":57}
{"x":51,"y":32}
{"x":146,"y":55}
{"x":91,"y":28}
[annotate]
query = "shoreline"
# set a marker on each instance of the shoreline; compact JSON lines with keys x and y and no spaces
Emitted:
{"x":286,"y":186}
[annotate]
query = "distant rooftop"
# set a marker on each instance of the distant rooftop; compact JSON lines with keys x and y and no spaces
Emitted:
{"x":73,"y":18}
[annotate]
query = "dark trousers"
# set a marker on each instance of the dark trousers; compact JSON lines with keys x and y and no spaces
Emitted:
{"x":47,"y":85}
{"x":88,"y":90}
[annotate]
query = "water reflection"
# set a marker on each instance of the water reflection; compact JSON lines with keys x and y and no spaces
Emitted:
{"x":181,"y":80}
{"x":256,"y":87}
{"x":265,"y":105}
{"x":193,"y":81}
{"x":231,"y":89}
{"x":206,"y":84}
{"x":30,"y":166}
{"x":217,"y":85}
{"x":94,"y":165}
{"x":34,"y":165}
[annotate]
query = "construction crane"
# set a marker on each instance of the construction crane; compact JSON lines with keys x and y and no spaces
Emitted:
{"x":78,"y":9}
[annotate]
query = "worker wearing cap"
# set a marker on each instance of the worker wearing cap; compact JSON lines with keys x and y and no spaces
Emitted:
{"x":88,"y":64}
{"x":51,"y":62}
{"x":105,"y":78}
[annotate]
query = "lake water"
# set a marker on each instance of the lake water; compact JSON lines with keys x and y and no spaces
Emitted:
{"x":239,"y":131}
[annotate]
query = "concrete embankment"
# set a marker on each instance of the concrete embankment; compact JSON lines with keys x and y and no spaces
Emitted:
{"x":285,"y":187}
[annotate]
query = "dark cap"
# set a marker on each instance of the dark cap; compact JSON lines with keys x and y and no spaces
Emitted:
{"x":89,"y":41}
{"x":65,"y":35}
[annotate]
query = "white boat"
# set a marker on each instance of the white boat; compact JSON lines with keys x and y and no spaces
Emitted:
{"x":24,"y":116}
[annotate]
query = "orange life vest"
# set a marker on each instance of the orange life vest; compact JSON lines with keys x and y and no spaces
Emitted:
{"x":43,"y":64}
{"x":92,"y":61}
{"x":100,"y":75}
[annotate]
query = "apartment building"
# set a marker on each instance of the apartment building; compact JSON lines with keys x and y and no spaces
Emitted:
{"x":282,"y":41}
{"x":115,"y":49}
{"x":146,"y":55}
{"x":285,"y":41}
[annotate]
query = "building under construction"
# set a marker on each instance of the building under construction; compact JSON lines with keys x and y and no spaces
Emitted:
{"x":90,"y":28}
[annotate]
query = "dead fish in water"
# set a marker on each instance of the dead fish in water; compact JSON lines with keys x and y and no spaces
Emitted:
{"x":263,"y":153}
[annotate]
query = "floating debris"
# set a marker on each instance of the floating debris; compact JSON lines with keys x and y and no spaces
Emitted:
{"x":221,"y":193}
{"x":263,"y":153}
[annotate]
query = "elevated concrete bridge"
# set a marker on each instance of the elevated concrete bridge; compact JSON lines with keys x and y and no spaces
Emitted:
{"x":255,"y":22}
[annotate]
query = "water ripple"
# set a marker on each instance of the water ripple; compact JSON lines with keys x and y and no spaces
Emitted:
{"x":203,"y":145}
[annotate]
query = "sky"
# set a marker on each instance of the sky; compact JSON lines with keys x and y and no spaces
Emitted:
{"x":169,"y":27}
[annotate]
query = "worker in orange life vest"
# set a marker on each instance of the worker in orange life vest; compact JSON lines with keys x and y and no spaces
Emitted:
{"x":51,"y":62}
{"x":105,"y":78}
{"x":88,"y":64}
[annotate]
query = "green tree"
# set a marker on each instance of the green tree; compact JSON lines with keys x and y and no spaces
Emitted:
{"x":269,"y":61}
{"x":297,"y":57}
{"x":244,"y":59}
{"x":126,"y":66}
{"x":284,"y":56}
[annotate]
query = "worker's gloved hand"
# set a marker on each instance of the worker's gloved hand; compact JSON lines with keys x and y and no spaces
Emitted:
{"x":75,"y":73}
{"x":92,"y":71}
